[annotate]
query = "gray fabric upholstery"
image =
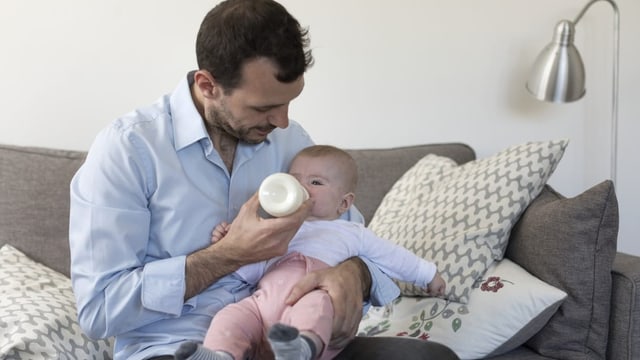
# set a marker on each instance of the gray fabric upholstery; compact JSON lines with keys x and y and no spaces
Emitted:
{"x":571,"y":244}
{"x":521,"y":353}
{"x":378,"y":169}
{"x":624,"y":325}
{"x":34,"y":202}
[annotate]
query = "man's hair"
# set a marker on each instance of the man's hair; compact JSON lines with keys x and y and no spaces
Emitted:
{"x":344,"y":161}
{"x":236,"y":31}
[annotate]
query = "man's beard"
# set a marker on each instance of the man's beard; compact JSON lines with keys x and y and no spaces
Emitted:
{"x":221,"y":120}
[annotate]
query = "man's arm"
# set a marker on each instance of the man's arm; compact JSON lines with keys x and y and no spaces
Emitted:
{"x":108,"y":235}
{"x":206,"y":266}
{"x":345,"y":329}
{"x":250,"y":239}
{"x":365,"y":276}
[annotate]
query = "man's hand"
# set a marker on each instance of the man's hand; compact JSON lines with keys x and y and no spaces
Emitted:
{"x":348,"y":284}
{"x":249,"y":239}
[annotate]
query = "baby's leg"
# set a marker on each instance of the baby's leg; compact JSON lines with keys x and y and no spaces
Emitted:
{"x":236,"y":329}
{"x":312,"y":313}
{"x":287,"y":343}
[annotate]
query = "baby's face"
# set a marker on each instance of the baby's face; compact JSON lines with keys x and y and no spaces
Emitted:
{"x":322,"y":179}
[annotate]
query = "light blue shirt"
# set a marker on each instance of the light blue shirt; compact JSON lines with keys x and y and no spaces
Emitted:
{"x":150,"y":192}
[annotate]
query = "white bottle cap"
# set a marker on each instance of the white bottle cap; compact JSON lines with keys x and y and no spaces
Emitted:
{"x":281,"y":194}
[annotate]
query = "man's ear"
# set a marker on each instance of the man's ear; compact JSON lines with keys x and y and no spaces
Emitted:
{"x":347,"y":201}
{"x":207,"y":84}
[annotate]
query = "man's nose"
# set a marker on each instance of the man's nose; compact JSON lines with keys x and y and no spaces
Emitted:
{"x":279,"y":117}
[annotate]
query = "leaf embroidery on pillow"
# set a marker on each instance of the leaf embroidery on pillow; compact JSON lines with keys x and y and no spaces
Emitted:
{"x":421,"y":324}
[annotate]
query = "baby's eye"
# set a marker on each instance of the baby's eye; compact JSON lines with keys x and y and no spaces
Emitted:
{"x":316,"y":182}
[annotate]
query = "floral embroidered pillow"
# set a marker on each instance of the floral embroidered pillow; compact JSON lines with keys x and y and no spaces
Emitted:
{"x":506,"y":307}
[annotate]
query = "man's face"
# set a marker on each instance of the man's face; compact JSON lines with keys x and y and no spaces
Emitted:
{"x":257,"y":106}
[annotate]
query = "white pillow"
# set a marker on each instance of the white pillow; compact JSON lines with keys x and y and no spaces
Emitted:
{"x":506,"y":308}
{"x":460,"y":217}
{"x":38,"y":318}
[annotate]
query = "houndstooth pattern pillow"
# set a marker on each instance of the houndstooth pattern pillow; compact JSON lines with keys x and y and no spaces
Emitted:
{"x":38,"y":313}
{"x":460,"y":217}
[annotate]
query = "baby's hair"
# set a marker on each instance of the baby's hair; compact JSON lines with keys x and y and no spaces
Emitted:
{"x":343,"y":159}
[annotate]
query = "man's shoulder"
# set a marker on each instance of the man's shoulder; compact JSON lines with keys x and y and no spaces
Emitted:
{"x":143,"y":118}
{"x":136,"y":132}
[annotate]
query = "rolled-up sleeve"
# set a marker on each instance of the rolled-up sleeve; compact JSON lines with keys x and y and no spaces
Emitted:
{"x":161,"y":281}
{"x":109,"y":235}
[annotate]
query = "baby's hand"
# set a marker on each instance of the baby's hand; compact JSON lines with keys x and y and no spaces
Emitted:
{"x":437,"y":286}
{"x":219,"y":232}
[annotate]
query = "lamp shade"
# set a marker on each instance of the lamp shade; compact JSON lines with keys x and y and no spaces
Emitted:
{"x":558,"y":72}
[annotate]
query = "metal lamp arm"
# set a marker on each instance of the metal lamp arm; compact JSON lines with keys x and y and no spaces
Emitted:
{"x":614,"y":99}
{"x":586,"y":7}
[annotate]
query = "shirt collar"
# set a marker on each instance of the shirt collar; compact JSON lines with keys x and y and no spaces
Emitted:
{"x":188,"y":126}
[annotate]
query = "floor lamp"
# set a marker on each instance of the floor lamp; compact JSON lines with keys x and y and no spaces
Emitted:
{"x":558,"y":72}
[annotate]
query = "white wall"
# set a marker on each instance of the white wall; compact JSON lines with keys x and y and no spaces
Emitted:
{"x":386,"y":74}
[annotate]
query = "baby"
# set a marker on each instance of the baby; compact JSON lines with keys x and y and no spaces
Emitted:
{"x":303,"y":330}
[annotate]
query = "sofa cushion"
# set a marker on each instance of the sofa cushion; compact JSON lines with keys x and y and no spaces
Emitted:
{"x":373,"y":183}
{"x":505,"y":309}
{"x":34,"y":202}
{"x":38,"y":313}
{"x":570,"y":243}
{"x":460,"y":217}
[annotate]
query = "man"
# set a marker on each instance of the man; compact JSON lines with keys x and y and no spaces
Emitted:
{"x":157,"y":181}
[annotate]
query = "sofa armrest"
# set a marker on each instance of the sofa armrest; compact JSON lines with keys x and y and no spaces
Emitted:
{"x":624,"y":330}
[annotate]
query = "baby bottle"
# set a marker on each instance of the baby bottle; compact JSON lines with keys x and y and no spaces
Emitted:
{"x":281,"y":194}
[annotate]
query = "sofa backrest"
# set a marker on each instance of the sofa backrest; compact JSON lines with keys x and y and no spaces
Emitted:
{"x":34,"y":202}
{"x":378,"y":169}
{"x":34,"y":192}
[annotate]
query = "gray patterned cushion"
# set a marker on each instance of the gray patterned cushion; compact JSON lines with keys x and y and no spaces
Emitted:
{"x":38,"y":313}
{"x":460,"y":217}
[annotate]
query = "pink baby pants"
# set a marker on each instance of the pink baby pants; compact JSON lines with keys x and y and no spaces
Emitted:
{"x":240,"y":329}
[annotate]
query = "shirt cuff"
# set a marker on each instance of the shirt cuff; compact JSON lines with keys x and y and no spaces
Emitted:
{"x":383,"y":289}
{"x":163,"y":285}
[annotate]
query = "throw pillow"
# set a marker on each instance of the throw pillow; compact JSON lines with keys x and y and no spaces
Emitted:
{"x":570,"y":243}
{"x":38,"y":313}
{"x":460,"y":217}
{"x":506,"y":307}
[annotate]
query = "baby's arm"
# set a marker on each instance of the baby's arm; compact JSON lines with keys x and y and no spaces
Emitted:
{"x":400,"y":263}
{"x":219,"y":231}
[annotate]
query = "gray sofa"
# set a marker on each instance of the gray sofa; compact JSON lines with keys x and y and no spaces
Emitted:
{"x":568,"y":243}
